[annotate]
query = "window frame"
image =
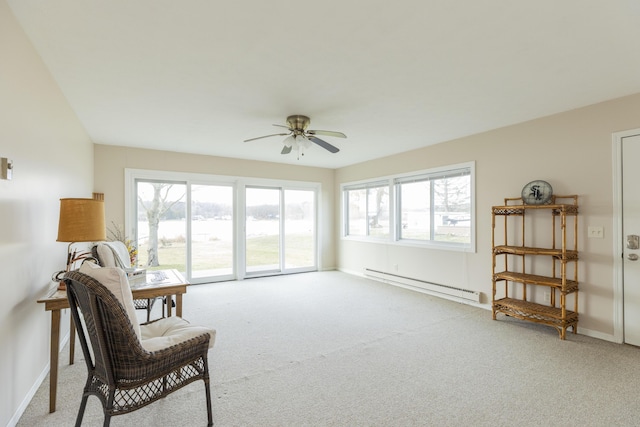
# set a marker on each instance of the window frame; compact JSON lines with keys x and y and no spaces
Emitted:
{"x":393,"y":182}
{"x":368,"y":185}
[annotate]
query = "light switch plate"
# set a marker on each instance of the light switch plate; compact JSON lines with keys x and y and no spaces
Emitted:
{"x":594,"y":232}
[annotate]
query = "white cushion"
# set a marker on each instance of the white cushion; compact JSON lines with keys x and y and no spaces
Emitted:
{"x":170,"y":331}
{"x":107,"y":251}
{"x":105,"y":255}
{"x":121,"y":251}
{"x":115,"y":279}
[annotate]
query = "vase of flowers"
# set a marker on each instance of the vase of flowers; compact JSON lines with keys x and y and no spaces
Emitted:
{"x":116,"y":233}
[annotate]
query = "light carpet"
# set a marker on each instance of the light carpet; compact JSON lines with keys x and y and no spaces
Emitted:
{"x":331,"y":349}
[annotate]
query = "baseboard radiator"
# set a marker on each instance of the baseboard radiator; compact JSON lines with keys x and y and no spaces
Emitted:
{"x":422,"y":285}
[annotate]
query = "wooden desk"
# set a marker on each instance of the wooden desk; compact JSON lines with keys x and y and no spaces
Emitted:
{"x":172,"y":283}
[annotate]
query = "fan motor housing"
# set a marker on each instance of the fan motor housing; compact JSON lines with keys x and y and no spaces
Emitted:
{"x":298,"y":122}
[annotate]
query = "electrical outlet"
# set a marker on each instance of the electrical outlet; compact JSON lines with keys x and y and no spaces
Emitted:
{"x":395,"y":267}
{"x":547,"y":297}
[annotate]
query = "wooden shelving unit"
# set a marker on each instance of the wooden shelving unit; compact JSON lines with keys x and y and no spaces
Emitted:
{"x":511,"y":259}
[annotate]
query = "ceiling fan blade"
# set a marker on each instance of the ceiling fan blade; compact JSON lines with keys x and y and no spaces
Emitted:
{"x":286,"y":149}
{"x":266,"y":136}
{"x":327,"y":133}
{"x":324,"y":144}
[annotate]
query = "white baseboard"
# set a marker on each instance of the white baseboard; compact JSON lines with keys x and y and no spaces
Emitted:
{"x":418,"y":289}
{"x":598,"y":335}
{"x":581,"y":331}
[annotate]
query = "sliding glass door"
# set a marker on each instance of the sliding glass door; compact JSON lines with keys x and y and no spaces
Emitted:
{"x":280,"y":230}
{"x":211,"y":225}
{"x":262,"y":241}
{"x":300,"y":229}
{"x":161,"y":226}
{"x":221,"y":228}
{"x":185,"y":226}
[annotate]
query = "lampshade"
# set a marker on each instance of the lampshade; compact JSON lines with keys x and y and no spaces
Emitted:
{"x":81,"y":220}
{"x":302,"y":141}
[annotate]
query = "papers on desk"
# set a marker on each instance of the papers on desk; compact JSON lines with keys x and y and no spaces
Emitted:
{"x":157,"y":276}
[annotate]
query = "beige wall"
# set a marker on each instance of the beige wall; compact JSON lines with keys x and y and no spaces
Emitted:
{"x":111,"y":161}
{"x":572,"y":151}
{"x":53,"y":158}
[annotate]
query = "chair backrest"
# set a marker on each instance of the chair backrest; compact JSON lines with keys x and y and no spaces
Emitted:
{"x":108,"y":329}
{"x":112,"y":254}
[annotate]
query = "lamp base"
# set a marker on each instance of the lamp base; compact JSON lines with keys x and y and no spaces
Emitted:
{"x":59,"y":277}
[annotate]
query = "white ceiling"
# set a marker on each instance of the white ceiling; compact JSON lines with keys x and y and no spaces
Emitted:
{"x":201,"y":76}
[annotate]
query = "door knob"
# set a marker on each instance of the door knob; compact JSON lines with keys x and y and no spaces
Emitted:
{"x":632,"y":257}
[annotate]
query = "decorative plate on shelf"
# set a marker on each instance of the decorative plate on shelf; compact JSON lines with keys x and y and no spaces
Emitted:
{"x":537,"y":192}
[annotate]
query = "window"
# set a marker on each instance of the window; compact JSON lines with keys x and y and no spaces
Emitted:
{"x":367,"y":210}
{"x":433,"y":208}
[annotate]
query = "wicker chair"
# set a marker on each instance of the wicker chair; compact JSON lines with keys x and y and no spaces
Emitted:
{"x":110,"y":254}
{"x":121,"y":372}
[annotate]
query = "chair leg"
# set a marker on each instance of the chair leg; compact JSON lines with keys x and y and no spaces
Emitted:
{"x":83,"y":405}
{"x":148,"y":310}
{"x":108,"y":407}
{"x":207,"y":390}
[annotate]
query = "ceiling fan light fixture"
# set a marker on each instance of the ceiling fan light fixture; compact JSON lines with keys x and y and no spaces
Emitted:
{"x":302,"y":141}
{"x":289,"y":141}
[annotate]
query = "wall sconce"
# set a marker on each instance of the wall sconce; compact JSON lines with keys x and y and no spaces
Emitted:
{"x":6,"y":168}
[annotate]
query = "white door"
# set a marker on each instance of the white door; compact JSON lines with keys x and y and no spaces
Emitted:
{"x":630,"y":151}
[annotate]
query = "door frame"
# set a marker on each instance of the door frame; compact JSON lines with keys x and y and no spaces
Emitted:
{"x":618,"y":238}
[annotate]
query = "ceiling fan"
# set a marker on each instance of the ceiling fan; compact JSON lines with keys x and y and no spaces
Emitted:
{"x":300,"y":138}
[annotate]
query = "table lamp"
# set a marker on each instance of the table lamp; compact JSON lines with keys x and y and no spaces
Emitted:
{"x":81,"y":220}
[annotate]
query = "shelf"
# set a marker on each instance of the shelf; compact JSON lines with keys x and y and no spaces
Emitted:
{"x":533,"y":279}
{"x":507,"y":210}
{"x":520,"y":209}
{"x":567,"y":255}
{"x":538,"y":313}
{"x":515,"y":206}
{"x":514,"y":232}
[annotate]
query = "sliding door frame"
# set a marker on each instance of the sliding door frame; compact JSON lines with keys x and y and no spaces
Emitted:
{"x":282,"y":231}
{"x":239,"y":185}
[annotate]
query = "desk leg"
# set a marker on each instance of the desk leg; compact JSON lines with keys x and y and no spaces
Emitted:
{"x":53,"y":359}
{"x":179,"y":305}
{"x":168,"y":299}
